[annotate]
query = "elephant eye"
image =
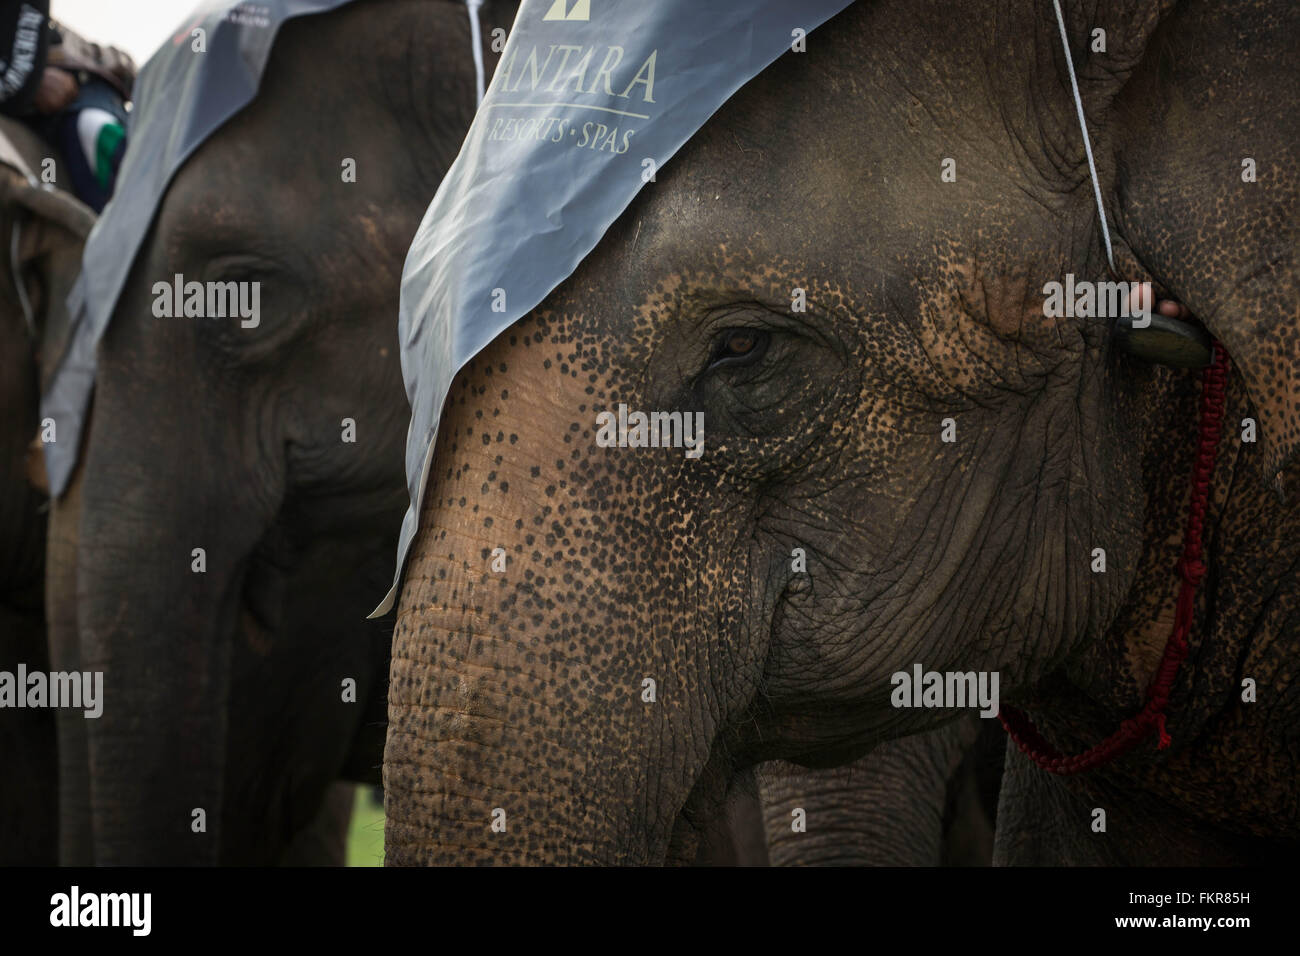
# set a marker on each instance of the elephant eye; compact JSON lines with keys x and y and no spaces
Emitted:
{"x":738,"y":347}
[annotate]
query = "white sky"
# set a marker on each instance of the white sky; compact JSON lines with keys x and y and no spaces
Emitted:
{"x":136,"y":26}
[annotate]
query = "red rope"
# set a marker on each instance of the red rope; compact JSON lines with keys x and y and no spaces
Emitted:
{"x":1191,"y":569}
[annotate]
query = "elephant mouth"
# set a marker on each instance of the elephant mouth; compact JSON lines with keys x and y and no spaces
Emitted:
{"x":261,"y":612}
{"x":685,"y":840}
{"x":702,"y":817}
{"x":257,"y":632}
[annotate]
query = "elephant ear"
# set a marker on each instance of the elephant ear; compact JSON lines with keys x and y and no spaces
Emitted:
{"x":1207,"y":140}
{"x":51,"y":228}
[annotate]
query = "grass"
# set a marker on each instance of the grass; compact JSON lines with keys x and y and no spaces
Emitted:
{"x":366,"y":831}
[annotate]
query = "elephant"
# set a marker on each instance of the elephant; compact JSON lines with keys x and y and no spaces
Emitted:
{"x":50,"y":226}
{"x":228,"y":522}
{"x":981,"y":486}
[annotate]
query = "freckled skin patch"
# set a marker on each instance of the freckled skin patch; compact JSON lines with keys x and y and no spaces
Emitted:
{"x":522,"y":690}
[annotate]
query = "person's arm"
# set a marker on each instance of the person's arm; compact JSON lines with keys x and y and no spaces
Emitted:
{"x":23,"y":47}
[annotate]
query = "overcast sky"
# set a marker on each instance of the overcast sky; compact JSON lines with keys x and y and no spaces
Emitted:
{"x":136,"y":26}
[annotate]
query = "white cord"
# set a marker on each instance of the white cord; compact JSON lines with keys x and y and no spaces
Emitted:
{"x":16,"y":267}
{"x":1087,"y":144}
{"x":476,"y":41}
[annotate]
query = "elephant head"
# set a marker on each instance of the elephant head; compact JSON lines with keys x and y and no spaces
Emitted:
{"x":243,"y":473}
{"x":906,"y":460}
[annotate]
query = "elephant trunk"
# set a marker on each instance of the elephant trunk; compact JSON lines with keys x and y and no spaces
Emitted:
{"x":507,"y":744}
{"x":162,"y":551}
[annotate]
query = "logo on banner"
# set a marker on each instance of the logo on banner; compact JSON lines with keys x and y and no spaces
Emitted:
{"x":581,"y":11}
{"x":597,"y":96}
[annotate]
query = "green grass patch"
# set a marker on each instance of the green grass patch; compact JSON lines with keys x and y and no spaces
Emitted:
{"x":366,"y":831}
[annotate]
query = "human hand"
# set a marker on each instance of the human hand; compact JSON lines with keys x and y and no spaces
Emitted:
{"x":56,"y":90}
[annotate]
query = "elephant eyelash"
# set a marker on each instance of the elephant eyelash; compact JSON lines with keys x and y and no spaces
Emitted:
{"x":241,"y":272}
